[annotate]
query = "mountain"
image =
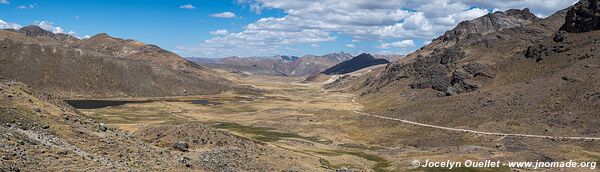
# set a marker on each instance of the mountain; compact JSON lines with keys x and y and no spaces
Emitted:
{"x":467,"y":32}
{"x":279,"y":65}
{"x":529,"y":78}
{"x":135,"y":50}
{"x":101,"y":66}
{"x":354,"y":64}
{"x":310,"y":64}
{"x":203,"y":60}
{"x":433,"y":66}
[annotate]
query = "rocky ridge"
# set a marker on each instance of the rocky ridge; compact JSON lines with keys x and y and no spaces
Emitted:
{"x":69,"y":67}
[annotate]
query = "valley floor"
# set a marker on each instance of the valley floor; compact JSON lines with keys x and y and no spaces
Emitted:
{"x":330,"y":126}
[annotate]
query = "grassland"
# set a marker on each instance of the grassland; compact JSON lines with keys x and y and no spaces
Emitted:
{"x":306,"y":119}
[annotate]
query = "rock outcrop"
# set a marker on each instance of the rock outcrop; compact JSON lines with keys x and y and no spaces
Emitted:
{"x":489,"y":23}
{"x":583,"y":17}
{"x":440,"y":65}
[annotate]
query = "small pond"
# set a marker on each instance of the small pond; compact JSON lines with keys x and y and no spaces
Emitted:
{"x":97,"y":104}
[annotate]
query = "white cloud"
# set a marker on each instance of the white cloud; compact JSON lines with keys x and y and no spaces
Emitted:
{"x":219,"y":32}
{"x":8,"y":25}
{"x":24,"y":7}
{"x":253,"y":43}
{"x":49,"y":26}
{"x":187,"y":6}
{"x":224,"y":15}
{"x":399,"y":44}
{"x":4,"y":2}
{"x":350,"y":45}
{"x":314,"y":21}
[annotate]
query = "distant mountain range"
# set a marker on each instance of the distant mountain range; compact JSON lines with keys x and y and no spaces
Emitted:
{"x":279,"y":65}
{"x":101,"y":66}
{"x":282,"y":65}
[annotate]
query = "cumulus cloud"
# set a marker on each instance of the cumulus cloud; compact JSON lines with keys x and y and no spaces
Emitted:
{"x":24,"y":7}
{"x":4,"y":2}
{"x":350,"y":45}
{"x":219,"y":32}
{"x":9,"y":25}
{"x":253,"y":43}
{"x":187,"y":6}
{"x":49,"y":26}
{"x":399,"y":44}
{"x":313,"y":21}
{"x":224,"y":15}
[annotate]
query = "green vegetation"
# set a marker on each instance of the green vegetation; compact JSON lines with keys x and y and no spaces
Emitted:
{"x":327,"y":164}
{"x":358,"y":146}
{"x":380,"y":163}
{"x":262,"y":133}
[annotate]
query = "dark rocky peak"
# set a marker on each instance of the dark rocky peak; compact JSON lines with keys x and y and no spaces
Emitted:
{"x":584,"y":16}
{"x":364,"y":56}
{"x":33,"y":30}
{"x":489,"y":23}
{"x":101,"y":36}
{"x":359,"y":62}
{"x":522,"y":14}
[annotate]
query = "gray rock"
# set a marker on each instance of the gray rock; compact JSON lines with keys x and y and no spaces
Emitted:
{"x":560,"y":36}
{"x":343,"y":169}
{"x":102,"y":127}
{"x":536,"y":52}
{"x":185,"y":161}
{"x":490,"y":23}
{"x":181,"y":146}
{"x":458,"y":76}
{"x":452,"y":91}
{"x":37,"y":109}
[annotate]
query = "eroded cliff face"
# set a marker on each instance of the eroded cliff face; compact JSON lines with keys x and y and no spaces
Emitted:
{"x":583,"y":16}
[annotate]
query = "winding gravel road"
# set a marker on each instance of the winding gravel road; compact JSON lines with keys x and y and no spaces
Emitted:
{"x":359,"y":106}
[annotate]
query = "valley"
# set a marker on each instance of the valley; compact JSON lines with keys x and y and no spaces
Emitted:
{"x":474,"y":86}
{"x":331,"y":126}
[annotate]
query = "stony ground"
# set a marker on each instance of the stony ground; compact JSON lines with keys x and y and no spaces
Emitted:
{"x":42,"y":133}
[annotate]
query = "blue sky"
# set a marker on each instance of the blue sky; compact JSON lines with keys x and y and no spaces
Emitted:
{"x":219,"y":28}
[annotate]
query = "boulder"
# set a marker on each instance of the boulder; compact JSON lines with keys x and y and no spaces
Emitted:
{"x":536,"y":52}
{"x":181,"y":146}
{"x":560,"y":36}
{"x":102,"y":127}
